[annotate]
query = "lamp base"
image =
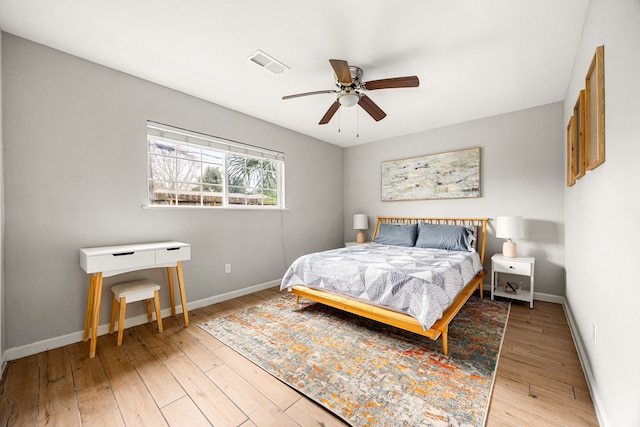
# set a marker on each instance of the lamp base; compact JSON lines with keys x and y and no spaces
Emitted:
{"x":360,"y":236}
{"x":509,"y":249}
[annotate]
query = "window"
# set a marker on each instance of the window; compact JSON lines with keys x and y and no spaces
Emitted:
{"x":191,"y":169}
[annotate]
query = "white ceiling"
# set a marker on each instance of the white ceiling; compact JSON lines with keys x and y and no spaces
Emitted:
{"x":473,"y":58}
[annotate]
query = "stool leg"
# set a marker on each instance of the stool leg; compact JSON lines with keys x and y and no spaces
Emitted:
{"x":123,"y":304}
{"x":114,"y":301}
{"x":156,"y":302}
{"x":149,"y":318}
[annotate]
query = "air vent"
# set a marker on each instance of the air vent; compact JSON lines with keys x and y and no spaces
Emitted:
{"x":267,"y":62}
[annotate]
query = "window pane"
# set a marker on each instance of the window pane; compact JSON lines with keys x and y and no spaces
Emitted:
{"x":237,"y":196}
{"x":188,"y":172}
{"x":270,"y":175}
{"x":254,"y":197}
{"x":270,"y":198}
{"x":237,"y":171}
{"x":162,"y":192}
{"x":188,"y":152}
{"x":212,"y":174}
{"x":212,"y":195}
{"x":160,"y":147}
{"x":215,"y":157}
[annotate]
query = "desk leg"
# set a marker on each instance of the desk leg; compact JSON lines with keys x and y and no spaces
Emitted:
{"x":89,"y":309}
{"x":183,"y":298}
{"x":97,"y":293}
{"x":171,"y":298}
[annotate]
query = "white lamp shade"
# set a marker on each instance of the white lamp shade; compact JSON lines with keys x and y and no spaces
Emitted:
{"x":509,"y":227}
{"x":360,"y":222}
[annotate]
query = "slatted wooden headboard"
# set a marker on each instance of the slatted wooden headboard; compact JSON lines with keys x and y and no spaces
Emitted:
{"x":479,"y":223}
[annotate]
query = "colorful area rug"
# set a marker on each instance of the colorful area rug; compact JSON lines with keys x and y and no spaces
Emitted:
{"x":372,"y":374}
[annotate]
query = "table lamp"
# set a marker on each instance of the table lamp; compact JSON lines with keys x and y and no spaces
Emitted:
{"x":360,"y":223}
{"x":509,"y":227}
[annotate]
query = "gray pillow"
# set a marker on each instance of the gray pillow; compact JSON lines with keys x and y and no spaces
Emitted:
{"x":445,"y":236}
{"x":397,"y":234}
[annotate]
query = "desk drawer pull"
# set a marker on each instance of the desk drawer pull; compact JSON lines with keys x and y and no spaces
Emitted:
{"x":124,"y":253}
{"x":173,"y":249}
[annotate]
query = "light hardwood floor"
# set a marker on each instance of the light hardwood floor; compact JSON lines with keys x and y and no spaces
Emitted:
{"x":185,"y":377}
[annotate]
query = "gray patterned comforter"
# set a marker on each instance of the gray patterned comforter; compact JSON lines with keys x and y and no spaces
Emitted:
{"x":417,"y":281}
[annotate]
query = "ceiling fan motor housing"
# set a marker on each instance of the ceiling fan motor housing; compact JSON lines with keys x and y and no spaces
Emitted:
{"x":349,"y":96}
{"x":356,"y":78}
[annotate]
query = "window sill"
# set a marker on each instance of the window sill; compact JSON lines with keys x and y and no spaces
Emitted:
{"x":222,"y":208}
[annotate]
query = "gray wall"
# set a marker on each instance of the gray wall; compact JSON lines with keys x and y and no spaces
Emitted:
{"x":75,"y":176}
{"x":521,"y":172}
{"x":602,"y":213}
{"x":3,"y":340}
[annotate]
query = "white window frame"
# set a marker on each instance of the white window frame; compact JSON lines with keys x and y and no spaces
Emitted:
{"x":209,"y":145}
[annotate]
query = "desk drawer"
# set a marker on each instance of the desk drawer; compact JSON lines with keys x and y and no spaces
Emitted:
{"x":120,"y":261}
{"x":178,"y":253}
{"x":504,"y":266}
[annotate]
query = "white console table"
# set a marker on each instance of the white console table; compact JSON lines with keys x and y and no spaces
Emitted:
{"x":108,"y":261}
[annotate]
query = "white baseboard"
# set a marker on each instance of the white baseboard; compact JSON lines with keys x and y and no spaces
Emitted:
{"x":586,"y":367}
{"x":74,"y":337}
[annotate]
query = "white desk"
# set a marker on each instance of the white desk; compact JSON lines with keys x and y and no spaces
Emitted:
{"x":108,"y":261}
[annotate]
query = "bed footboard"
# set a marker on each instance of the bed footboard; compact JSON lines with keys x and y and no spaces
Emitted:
{"x":390,"y":317}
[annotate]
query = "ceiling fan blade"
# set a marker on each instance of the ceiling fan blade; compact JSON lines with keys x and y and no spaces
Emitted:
{"x":341,"y":68}
{"x":372,"y":108}
{"x":409,"y":81}
{"x":329,"y":114}
{"x":317,"y":92}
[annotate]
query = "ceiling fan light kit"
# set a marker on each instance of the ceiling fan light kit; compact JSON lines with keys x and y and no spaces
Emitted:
{"x":348,"y":99}
{"x":348,"y":79}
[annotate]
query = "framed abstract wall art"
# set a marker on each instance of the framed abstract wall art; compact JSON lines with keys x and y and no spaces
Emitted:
{"x":451,"y":175}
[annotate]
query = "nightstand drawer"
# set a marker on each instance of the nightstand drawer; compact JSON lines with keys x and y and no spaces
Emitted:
{"x":513,"y":267}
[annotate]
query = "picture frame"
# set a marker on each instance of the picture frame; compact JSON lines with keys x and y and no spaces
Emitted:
{"x":449,"y":175}
{"x":594,"y":111}
{"x":578,"y":154}
{"x":571,"y":139}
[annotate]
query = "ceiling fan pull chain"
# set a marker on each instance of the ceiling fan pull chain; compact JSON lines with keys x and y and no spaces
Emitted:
{"x":357,"y":122}
{"x":339,"y":120}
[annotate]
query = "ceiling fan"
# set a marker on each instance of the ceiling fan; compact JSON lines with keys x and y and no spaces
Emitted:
{"x":350,"y":87}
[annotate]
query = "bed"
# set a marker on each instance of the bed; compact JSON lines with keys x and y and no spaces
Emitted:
{"x":417,"y":285}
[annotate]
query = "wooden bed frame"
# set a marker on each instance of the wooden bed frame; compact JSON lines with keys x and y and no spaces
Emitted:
{"x":400,"y":320}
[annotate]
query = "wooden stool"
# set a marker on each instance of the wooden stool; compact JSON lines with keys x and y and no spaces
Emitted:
{"x":127,"y":292}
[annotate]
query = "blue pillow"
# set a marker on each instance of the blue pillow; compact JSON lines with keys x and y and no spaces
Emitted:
{"x":445,"y":236}
{"x":397,"y":234}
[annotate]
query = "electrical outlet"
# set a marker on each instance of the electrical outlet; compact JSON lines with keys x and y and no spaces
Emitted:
{"x":227,"y":268}
{"x":594,"y":333}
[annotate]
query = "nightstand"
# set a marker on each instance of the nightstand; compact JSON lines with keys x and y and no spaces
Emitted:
{"x":521,"y":266}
